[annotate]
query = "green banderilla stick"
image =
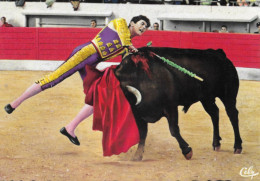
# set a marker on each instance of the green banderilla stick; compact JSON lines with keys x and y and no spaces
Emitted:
{"x":176,"y":66}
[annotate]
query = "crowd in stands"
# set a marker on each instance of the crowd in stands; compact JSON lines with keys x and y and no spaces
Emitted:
{"x":93,"y":24}
{"x":177,"y":2}
{"x":223,"y":29}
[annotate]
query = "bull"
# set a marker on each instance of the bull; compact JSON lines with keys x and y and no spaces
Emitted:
{"x":155,"y":89}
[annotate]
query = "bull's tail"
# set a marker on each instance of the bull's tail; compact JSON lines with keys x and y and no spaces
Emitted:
{"x":222,"y":53}
{"x":228,"y":73}
{"x":231,"y":78}
{"x":228,"y":97}
{"x":227,"y":65}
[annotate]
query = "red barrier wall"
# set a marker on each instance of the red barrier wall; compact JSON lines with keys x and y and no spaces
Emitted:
{"x":57,"y":43}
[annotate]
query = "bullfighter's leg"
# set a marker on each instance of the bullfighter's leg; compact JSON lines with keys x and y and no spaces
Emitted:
{"x":213,"y":111}
{"x":31,"y":91}
{"x":232,"y":112}
{"x":68,"y":130}
{"x":82,"y":55}
{"x":172,"y":116}
{"x":142,"y":127}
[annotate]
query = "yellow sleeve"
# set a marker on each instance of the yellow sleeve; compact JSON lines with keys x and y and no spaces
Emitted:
{"x":121,"y":27}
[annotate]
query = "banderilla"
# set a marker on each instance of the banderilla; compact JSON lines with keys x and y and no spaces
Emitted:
{"x":178,"y":67}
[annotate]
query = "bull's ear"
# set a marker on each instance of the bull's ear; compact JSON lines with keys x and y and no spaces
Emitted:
{"x":151,"y":54}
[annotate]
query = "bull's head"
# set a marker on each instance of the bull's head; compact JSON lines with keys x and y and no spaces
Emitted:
{"x":133,"y":70}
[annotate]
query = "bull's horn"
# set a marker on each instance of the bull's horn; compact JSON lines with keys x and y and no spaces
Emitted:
{"x":136,"y":92}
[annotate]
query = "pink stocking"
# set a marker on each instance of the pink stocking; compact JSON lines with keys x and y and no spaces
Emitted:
{"x":84,"y":113}
{"x":31,"y":91}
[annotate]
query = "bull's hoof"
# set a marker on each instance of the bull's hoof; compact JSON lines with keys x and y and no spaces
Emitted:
{"x":188,"y":155}
{"x":187,"y":152}
{"x":216,"y":143}
{"x":137,"y":158}
{"x":216,"y":148}
{"x":238,"y":151}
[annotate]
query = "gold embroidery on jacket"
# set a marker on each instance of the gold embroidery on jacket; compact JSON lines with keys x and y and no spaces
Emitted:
{"x":111,"y":49}
{"x":109,"y":45}
{"x":120,"y":27}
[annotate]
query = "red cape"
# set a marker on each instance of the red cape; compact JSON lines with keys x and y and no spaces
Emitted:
{"x":112,"y":112}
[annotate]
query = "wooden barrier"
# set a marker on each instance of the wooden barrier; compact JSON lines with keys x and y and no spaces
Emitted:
{"x":57,"y":43}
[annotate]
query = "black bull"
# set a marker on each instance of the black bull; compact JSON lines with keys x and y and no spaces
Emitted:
{"x":155,"y":89}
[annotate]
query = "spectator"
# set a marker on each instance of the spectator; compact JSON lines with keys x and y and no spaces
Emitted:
{"x":232,"y":3}
{"x":3,"y":23}
{"x":93,"y":23}
{"x":223,"y":29}
{"x":156,"y":26}
{"x":49,"y":3}
{"x":206,"y":2}
{"x":75,"y":4}
{"x":179,"y":2}
{"x":242,"y":3}
{"x":258,"y":27}
{"x":254,"y":3}
{"x":222,"y":2}
{"x":189,"y":2}
{"x":251,"y":2}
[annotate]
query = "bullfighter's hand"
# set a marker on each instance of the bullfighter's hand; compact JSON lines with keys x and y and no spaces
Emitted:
{"x":132,"y":49}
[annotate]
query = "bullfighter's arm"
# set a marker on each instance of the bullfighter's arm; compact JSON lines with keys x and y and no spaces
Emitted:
{"x":121,"y":27}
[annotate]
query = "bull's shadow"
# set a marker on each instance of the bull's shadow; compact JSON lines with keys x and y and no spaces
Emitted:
{"x":155,"y":89}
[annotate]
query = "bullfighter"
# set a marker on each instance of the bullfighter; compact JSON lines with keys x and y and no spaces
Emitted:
{"x":111,"y":41}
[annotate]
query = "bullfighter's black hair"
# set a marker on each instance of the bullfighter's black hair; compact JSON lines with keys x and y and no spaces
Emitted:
{"x":141,"y":17}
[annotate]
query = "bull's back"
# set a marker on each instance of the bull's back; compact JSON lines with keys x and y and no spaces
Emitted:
{"x":211,"y":65}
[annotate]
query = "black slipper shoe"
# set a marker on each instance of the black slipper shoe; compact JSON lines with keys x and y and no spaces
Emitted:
{"x":72,"y":139}
{"x":9,"y":109}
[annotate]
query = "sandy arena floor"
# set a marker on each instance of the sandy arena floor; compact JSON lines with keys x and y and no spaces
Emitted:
{"x":33,"y":149}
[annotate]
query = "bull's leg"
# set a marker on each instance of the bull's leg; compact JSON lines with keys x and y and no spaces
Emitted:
{"x":232,"y":113}
{"x":229,"y":100}
{"x":172,"y":116}
{"x":213,"y":111}
{"x":142,"y":127}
